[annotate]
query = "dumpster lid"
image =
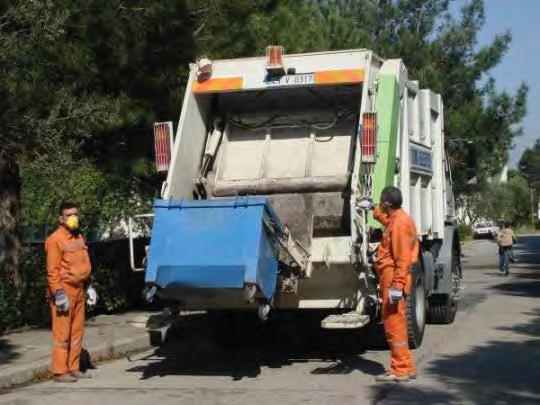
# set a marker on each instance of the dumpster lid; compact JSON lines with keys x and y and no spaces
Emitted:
{"x":233,"y":202}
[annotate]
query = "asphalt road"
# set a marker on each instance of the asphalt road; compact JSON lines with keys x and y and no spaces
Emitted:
{"x":491,"y":354}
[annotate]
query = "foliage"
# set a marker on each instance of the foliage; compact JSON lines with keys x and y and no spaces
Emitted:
{"x":10,"y":245}
{"x":76,"y":91}
{"x":28,"y":306}
{"x":118,"y":287}
{"x":465,"y":232}
{"x":496,"y":201}
{"x":82,"y":82}
{"x":510,"y":201}
{"x":529,"y":165}
{"x":101,"y":204}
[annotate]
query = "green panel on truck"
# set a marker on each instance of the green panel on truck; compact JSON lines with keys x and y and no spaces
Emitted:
{"x":387,"y":133}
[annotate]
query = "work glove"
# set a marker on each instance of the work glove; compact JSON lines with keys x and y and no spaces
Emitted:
{"x":365,"y":204}
{"x":394,"y":295}
{"x":91,"y":296}
{"x":61,"y":301}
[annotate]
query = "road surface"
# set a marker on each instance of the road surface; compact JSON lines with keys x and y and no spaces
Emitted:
{"x":490,"y":355}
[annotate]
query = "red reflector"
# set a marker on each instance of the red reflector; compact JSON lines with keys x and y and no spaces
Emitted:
{"x":369,"y":137}
{"x":163,"y":145}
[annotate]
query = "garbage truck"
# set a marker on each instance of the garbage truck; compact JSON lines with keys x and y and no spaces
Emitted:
{"x":272,"y":154}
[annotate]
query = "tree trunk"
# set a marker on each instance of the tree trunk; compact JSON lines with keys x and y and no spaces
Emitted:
{"x":10,"y":241}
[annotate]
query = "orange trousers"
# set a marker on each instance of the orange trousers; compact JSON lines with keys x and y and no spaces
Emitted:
{"x":67,"y":331}
{"x":395,"y":326}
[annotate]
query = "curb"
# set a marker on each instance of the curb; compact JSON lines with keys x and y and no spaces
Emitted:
{"x":19,"y":375}
{"x":39,"y":370}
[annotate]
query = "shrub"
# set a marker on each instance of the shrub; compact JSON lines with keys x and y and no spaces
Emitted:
{"x":465,"y":232}
{"x":118,"y":287}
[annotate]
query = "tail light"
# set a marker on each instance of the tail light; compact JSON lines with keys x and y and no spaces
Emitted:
{"x":274,"y":59}
{"x":369,"y":137}
{"x":163,"y":145}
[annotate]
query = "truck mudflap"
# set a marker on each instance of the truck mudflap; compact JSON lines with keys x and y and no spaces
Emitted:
{"x":208,"y":253}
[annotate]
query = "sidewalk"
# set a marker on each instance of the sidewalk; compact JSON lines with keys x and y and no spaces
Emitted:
{"x":25,"y":356}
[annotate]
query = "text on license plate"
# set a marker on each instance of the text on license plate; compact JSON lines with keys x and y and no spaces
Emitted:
{"x":292,"y":80}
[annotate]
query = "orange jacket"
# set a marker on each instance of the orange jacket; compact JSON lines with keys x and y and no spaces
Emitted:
{"x":68,"y":263}
{"x":399,"y":247}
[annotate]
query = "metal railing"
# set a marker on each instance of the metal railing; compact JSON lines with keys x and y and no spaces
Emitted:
{"x":131,"y":236}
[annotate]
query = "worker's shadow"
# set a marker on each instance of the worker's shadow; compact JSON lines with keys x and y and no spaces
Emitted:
{"x":239,"y":345}
{"x":85,"y":362}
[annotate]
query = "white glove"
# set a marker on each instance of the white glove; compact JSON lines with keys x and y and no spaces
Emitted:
{"x":92,"y":296}
{"x":394,"y":295}
{"x":61,"y":301}
{"x":365,"y":204}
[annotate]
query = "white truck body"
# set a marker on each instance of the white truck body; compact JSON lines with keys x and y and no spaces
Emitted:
{"x":297,"y":139}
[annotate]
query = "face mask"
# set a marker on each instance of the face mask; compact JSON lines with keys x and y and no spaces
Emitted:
{"x":72,"y":223}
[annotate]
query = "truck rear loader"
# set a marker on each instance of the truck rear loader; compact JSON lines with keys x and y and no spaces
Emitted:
{"x":271,"y":156}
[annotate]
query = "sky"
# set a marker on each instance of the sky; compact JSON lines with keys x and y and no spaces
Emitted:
{"x":522,"y":61}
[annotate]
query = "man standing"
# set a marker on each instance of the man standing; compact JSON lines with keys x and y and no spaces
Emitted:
{"x":68,"y":272}
{"x":505,"y":239}
{"x":398,"y":250}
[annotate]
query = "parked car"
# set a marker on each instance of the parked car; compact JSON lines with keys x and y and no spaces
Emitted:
{"x":486,"y":229}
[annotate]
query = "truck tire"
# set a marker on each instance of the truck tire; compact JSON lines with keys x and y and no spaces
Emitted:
{"x":416,"y":310}
{"x":442,"y":309}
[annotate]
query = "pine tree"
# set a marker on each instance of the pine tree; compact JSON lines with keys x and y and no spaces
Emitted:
{"x":529,"y":165}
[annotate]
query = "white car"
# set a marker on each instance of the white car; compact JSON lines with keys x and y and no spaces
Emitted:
{"x":486,"y":229}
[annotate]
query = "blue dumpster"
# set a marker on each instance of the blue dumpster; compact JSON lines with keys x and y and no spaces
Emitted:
{"x":209,"y":248}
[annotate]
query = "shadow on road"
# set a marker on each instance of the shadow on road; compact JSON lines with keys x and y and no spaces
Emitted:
{"x":408,"y":393}
{"x":515,"y":381}
{"x":497,"y":372}
{"x":7,"y":352}
{"x":524,"y":277}
{"x":468,"y":301}
{"x":239,"y":345}
{"x":523,"y":288}
{"x":493,"y":372}
{"x":527,"y":329}
{"x":529,"y":276}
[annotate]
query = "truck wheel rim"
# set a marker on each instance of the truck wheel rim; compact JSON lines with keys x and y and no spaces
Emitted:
{"x":455,"y":287}
{"x":420,"y":307}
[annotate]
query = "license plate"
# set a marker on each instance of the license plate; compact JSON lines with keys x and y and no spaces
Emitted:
{"x":292,"y":80}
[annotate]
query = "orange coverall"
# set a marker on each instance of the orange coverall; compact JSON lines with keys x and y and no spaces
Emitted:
{"x":68,"y":268}
{"x":397,"y":252}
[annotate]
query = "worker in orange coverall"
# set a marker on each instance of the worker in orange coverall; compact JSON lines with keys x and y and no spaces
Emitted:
{"x":398,"y":250}
{"x":68,"y":274}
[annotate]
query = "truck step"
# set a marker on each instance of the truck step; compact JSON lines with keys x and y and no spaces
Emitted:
{"x":350,"y":320}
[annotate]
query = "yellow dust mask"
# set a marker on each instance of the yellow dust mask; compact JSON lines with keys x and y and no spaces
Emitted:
{"x":72,"y":222}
